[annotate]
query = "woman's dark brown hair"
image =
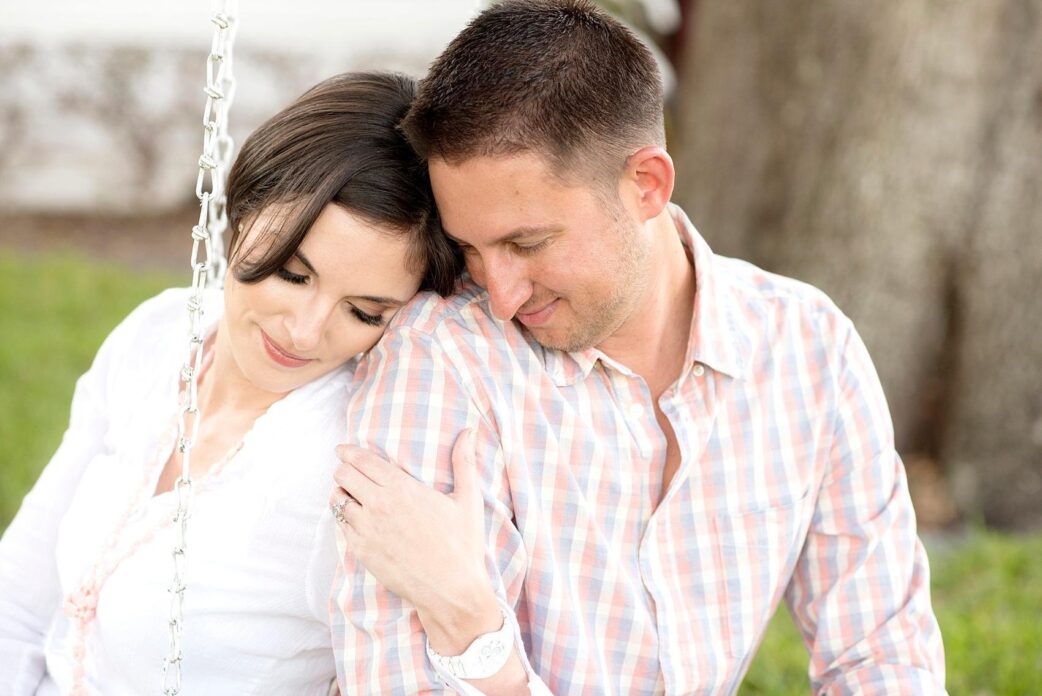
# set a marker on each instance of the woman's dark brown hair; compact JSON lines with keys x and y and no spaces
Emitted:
{"x":338,"y":143}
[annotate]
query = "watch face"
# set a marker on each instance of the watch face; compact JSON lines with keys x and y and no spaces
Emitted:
{"x":485,"y":656}
{"x":492,"y":650}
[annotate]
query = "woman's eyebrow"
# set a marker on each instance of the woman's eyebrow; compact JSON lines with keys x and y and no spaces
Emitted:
{"x":376,"y":299}
{"x":304,"y":260}
{"x":389,"y":301}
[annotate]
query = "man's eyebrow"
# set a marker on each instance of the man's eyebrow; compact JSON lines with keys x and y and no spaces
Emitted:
{"x":389,"y":301}
{"x":304,"y":260}
{"x":513,"y":235}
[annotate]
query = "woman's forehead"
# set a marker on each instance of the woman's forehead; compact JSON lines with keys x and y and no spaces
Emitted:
{"x":355,"y":252}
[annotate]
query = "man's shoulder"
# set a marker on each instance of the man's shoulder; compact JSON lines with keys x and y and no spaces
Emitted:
{"x":456,"y":332}
{"x":770,"y":314}
{"x":740,"y":288}
{"x":463,"y":316}
{"x":753,"y":287}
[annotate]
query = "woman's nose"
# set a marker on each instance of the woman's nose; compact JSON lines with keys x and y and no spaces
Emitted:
{"x":306,"y":325}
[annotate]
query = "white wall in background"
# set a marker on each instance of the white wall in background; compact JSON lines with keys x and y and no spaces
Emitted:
{"x":101,"y":101}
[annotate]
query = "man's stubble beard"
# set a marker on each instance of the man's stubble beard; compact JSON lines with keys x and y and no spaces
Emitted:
{"x":598,"y":320}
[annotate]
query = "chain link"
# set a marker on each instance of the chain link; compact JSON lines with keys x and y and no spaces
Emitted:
{"x":208,"y":266}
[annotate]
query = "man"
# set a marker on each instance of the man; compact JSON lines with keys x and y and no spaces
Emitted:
{"x":671,"y":442}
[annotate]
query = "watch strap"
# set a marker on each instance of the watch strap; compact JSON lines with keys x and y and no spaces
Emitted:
{"x":483,"y":658}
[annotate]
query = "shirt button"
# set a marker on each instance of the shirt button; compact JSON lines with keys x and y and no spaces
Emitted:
{"x":699,"y":370}
{"x":636,"y":411}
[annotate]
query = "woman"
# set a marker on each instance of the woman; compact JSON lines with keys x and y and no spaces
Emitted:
{"x":333,"y":230}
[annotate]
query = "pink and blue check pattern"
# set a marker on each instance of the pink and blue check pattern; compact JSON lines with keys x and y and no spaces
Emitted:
{"x":789,"y":488}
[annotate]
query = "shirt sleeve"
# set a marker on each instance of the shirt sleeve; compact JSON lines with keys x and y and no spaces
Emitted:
{"x":860,"y":594}
{"x":30,"y":593}
{"x":411,"y":404}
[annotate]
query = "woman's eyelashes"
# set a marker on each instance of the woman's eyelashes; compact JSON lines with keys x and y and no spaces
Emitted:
{"x":370,"y":319}
{"x":364,"y":317}
{"x":291,"y":277}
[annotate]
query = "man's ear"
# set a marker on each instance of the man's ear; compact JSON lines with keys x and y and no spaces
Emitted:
{"x":648,"y":181}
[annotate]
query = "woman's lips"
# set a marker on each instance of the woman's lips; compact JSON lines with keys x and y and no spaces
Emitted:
{"x":538,"y":317}
{"x":279,"y":356}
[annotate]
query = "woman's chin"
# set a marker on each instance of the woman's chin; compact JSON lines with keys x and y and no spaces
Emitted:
{"x":276,"y":379}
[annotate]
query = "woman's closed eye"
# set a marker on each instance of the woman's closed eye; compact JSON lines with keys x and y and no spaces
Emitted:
{"x":291,"y":277}
{"x":365,"y":317}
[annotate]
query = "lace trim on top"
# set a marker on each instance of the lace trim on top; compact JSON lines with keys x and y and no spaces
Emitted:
{"x":80,"y":606}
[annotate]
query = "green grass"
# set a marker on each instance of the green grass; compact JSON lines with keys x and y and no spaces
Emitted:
{"x":780,"y":667}
{"x":988,"y":598}
{"x":55,"y":311}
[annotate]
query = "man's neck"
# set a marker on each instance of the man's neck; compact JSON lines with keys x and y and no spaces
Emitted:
{"x":653,"y":341}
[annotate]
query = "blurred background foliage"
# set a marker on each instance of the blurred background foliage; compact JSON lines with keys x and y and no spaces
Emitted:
{"x":890,"y":154}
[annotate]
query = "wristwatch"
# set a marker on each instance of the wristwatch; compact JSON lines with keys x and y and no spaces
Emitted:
{"x":482,"y":658}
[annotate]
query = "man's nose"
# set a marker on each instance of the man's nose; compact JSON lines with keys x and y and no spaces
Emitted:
{"x":507,"y":285}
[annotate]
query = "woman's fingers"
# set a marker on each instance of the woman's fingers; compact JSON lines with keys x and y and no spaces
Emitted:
{"x":421,"y":544}
{"x":374,"y":467}
{"x":351,"y":535}
{"x":354,"y":482}
{"x":344,"y":506}
{"x":384,"y":490}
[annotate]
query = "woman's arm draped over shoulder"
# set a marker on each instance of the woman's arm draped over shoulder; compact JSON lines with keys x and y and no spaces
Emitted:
{"x":29,"y":589}
{"x":410,"y":408}
{"x":436,"y":559}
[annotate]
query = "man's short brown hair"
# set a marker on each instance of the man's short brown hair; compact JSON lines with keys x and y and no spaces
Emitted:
{"x":560,"y":78}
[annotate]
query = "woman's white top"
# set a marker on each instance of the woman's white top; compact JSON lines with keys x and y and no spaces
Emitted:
{"x":261,"y":552}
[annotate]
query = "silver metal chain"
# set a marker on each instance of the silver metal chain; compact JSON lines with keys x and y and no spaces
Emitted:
{"x":208,"y":265}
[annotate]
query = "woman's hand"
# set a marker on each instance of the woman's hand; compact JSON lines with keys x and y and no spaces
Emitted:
{"x":425,"y":546}
{"x":428,"y":548}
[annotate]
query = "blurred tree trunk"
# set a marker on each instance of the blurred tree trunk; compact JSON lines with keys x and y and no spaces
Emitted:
{"x":891,"y":154}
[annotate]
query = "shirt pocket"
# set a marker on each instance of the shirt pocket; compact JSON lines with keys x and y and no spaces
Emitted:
{"x":755,"y":553}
